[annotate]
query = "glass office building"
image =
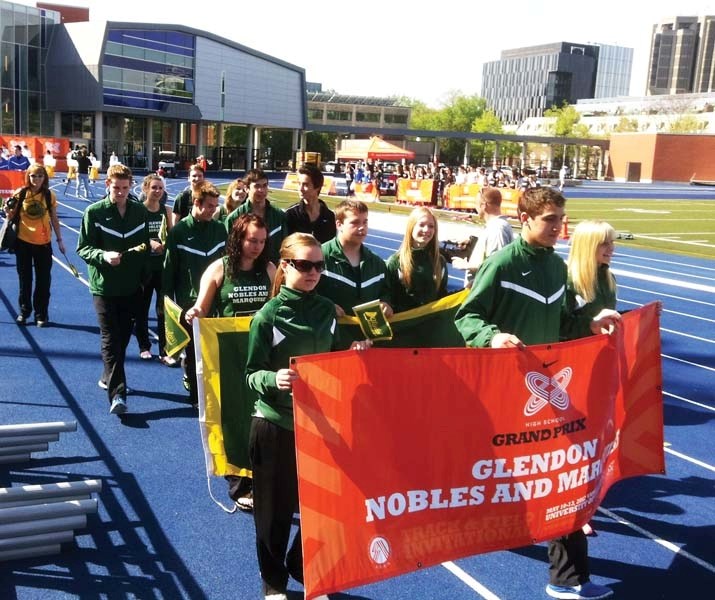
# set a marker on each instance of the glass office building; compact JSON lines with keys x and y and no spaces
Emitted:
{"x":527,"y":81}
{"x":138,"y":88}
{"x":25,"y":34}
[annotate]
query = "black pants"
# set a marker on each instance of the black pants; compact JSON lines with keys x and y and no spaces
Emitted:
{"x":275,"y":500}
{"x":116,"y":315}
{"x":568,"y":559}
{"x":152,"y":285}
{"x":37,"y":257}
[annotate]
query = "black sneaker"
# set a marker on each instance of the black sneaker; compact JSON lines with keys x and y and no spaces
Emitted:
{"x":41,"y":323}
{"x":21,"y":320}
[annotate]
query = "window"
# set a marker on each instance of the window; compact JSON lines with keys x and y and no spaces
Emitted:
{"x":367,"y":117}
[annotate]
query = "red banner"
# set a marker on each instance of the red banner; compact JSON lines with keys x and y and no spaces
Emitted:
{"x":408,"y":458}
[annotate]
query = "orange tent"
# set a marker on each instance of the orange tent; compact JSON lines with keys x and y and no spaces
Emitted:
{"x":373,"y":148}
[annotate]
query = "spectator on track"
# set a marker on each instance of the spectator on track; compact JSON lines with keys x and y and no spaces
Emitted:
{"x":33,"y":248}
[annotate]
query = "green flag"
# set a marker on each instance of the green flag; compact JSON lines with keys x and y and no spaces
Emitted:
{"x":428,"y":326}
{"x":176,"y":335}
{"x":372,"y":321}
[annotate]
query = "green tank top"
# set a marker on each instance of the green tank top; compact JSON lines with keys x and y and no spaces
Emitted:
{"x":156,"y":261}
{"x":244,"y":294}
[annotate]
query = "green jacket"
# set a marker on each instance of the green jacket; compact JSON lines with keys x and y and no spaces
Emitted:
{"x":293,"y":323}
{"x":275,"y":220}
{"x":605,"y":298}
{"x":183,"y":203}
{"x":349,"y":286}
{"x":191,"y":246}
{"x":422,"y":289}
{"x":605,"y":295}
{"x":104,"y":229}
{"x":519,"y":290}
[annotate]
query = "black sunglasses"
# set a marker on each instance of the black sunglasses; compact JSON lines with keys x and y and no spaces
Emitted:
{"x":304,"y":266}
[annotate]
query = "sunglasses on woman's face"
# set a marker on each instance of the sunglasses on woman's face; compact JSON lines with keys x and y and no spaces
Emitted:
{"x":305,"y":266}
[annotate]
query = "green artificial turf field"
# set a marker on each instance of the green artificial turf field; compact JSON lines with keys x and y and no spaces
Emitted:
{"x":678,"y":226}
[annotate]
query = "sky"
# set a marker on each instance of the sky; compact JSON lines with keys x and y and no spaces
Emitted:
{"x":404,"y":48}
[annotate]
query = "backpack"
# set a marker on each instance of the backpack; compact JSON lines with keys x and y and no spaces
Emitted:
{"x":8,"y":234}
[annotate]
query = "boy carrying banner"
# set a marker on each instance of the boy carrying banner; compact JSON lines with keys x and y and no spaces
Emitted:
{"x":518,"y":299}
{"x":353,"y":274}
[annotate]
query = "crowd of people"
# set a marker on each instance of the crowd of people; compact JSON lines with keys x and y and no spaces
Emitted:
{"x":296,"y":272}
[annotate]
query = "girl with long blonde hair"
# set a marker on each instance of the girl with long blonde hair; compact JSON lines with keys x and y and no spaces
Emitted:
{"x":591,"y":285}
{"x":417,"y":273}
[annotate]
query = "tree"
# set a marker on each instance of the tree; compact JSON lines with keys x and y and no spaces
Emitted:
{"x":626,"y":125}
{"x":483,"y":151}
{"x":458,"y":114}
{"x":565,"y":120}
{"x":686,"y":124}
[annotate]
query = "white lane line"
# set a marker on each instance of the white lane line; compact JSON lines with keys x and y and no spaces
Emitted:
{"x":665,"y":543}
{"x":672,"y":312}
{"x":687,"y":335}
{"x":666,"y":281}
{"x":662,"y":239}
{"x":695,"y":461}
{"x":464,"y":577}
{"x":700,"y":404}
{"x":663,"y":295}
{"x":687,"y":362}
{"x":661,"y":270}
{"x":66,"y":268}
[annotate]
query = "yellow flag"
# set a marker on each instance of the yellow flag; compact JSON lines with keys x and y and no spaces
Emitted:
{"x":176,"y":335}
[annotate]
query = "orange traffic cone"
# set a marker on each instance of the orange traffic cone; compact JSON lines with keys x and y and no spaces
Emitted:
{"x":564,"y":235}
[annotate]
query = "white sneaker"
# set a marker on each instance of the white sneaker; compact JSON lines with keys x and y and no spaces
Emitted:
{"x":119,"y":406}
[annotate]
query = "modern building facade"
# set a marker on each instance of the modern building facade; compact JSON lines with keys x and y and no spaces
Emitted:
{"x":328,"y":108}
{"x":139,"y":88}
{"x":682,"y":56}
{"x":527,"y":81}
{"x":26,"y":32}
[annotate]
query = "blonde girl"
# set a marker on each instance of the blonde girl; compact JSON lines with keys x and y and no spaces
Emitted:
{"x":417,"y":273}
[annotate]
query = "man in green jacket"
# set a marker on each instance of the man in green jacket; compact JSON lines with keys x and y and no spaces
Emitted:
{"x":191,"y":245}
{"x":353,"y":274}
{"x":517,"y":300}
{"x":257,"y":203}
{"x":113,"y":241}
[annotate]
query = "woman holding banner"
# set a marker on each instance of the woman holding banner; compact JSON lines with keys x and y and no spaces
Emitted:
{"x":237,"y":285}
{"x":296,"y":321}
{"x":417,"y":273}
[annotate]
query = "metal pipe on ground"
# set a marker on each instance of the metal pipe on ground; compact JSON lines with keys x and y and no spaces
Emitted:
{"x":12,"y":450}
{"x":42,"y":539}
{"x":22,"y":495}
{"x":37,"y":428}
{"x":38,"y":512}
{"x":42,"y":526}
{"x":30,"y":552}
{"x":19,"y":440}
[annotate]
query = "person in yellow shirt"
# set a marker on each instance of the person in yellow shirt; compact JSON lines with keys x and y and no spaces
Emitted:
{"x":38,"y":217}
